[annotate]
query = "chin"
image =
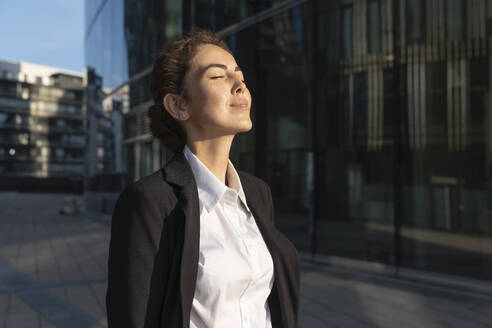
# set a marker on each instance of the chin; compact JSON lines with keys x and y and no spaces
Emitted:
{"x":243,"y":130}
{"x":245,"y":127}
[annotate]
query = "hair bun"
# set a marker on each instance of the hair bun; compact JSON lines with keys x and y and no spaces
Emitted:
{"x":152,"y":110}
{"x":165,"y":127}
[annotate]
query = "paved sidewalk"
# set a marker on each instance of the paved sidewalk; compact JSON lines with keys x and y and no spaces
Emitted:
{"x":53,"y":274}
{"x":332,"y":297}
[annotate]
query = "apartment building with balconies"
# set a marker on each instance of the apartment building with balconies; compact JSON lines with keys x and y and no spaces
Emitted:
{"x":41,"y":126}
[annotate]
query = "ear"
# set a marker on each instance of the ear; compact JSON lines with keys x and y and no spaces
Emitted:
{"x":176,"y":107}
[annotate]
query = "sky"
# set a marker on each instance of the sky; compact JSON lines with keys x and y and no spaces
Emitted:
{"x":47,"y":32}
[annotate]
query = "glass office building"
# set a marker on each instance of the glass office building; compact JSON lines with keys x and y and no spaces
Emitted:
{"x":372,"y":118}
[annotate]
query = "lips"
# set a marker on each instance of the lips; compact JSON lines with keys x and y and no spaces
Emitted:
{"x":240,"y":105}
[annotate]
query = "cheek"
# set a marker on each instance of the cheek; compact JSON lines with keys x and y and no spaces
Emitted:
{"x":248,"y":94}
{"x":214,"y":99}
{"x":203,"y":97}
{"x":209,"y":105}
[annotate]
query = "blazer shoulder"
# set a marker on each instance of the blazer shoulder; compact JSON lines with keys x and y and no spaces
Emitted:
{"x":252,"y":179}
{"x":152,"y":187}
{"x":152,"y":183}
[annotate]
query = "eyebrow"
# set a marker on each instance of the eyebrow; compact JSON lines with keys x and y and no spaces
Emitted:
{"x":224,"y":67}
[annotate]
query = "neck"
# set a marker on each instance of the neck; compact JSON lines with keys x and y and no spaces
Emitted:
{"x":214,"y":153}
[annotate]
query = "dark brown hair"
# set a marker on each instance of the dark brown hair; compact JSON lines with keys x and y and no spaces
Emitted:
{"x":168,"y":74}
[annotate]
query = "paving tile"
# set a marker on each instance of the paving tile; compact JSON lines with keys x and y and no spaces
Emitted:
{"x":44,"y":323}
{"x":11,"y":251}
{"x":4,"y":308}
{"x":48,"y":269}
{"x":20,"y":315}
{"x":97,"y":244}
{"x":26,"y":261}
{"x":329,"y":316}
{"x":100,"y":291}
{"x":67,"y":264}
{"x":58,"y":312}
{"x":84,"y":299}
{"x":307,"y":321}
{"x":62,"y":293}
{"x":83,"y":259}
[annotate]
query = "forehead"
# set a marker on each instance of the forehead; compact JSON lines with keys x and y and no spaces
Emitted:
{"x":211,"y":54}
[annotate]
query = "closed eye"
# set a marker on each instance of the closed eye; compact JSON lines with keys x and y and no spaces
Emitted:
{"x":216,"y":77}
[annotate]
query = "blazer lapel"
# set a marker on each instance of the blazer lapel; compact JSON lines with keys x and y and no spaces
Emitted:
{"x":178,"y":173}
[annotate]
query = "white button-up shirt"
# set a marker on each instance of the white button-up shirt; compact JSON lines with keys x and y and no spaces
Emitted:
{"x":235,"y":269}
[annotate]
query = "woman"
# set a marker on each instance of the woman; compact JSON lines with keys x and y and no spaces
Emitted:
{"x":194,"y":244}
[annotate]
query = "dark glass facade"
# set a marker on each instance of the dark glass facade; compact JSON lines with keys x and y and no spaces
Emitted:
{"x":372,"y":118}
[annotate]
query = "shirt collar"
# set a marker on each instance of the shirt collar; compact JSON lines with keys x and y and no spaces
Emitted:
{"x":210,"y":188}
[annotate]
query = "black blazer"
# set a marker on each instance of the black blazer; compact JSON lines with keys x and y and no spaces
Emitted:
{"x":154,"y":249}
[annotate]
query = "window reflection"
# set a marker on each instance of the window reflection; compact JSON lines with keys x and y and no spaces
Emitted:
{"x":219,"y":14}
{"x":454,"y":24}
{"x":367,"y":140}
{"x":488,"y":21}
{"x":373,"y":26}
{"x":444,"y":127}
{"x":347,"y":25}
{"x":415,"y":21}
{"x":284,"y":62}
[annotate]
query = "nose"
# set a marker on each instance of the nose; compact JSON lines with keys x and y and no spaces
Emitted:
{"x":238,"y":87}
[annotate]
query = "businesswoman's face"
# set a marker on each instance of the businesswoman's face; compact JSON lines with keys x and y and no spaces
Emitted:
{"x":217,"y":100}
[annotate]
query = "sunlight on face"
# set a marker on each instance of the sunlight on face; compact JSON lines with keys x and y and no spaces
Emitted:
{"x":218,"y":100}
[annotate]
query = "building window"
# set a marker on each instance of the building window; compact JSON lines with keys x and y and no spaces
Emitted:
{"x":59,"y":153}
{"x":455,"y":18}
{"x":489,"y":17}
{"x":477,"y":111}
{"x":373,"y":26}
{"x":436,"y":112}
{"x":45,"y":152}
{"x":25,"y":93}
{"x":361,"y":99}
{"x":147,"y":159}
{"x":415,"y":21}
{"x":347,"y":31}
{"x":23,"y":138}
